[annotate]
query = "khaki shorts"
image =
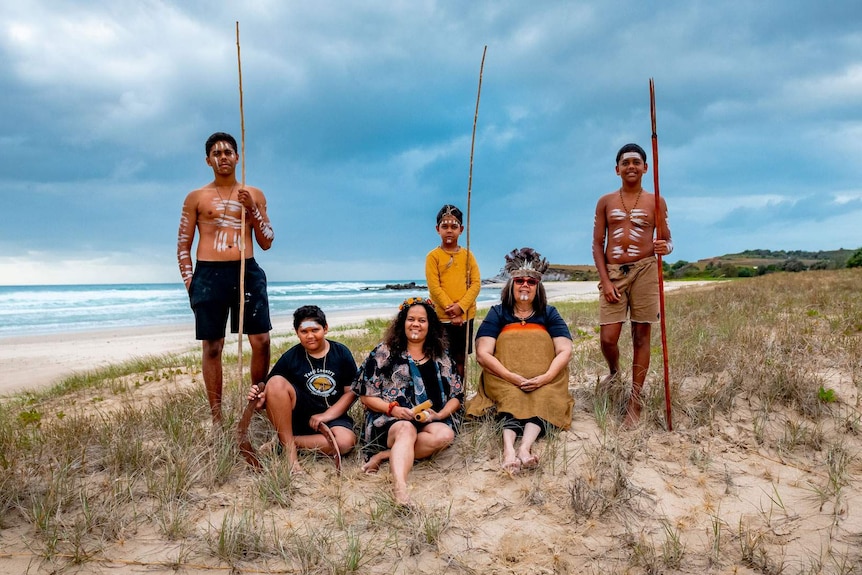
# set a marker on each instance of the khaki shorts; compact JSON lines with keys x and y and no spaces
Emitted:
{"x":637,"y":284}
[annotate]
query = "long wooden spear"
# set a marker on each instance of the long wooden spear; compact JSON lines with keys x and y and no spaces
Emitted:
{"x":245,"y":446}
{"x":242,"y":221}
{"x":469,"y":198}
{"x":660,"y":226}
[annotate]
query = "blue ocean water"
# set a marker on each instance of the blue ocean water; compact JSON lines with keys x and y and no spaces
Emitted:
{"x":37,"y":310}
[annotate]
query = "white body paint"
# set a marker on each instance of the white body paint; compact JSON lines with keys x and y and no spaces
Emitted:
{"x":265,"y":228}
{"x":617,"y":215}
{"x":639,"y":217}
{"x":632,"y":235}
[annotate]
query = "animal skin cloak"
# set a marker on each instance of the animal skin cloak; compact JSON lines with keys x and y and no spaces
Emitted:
{"x":527,"y":350}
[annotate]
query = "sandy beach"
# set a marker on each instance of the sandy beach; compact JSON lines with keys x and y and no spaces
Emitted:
{"x":36,"y":362}
{"x":760,"y":473}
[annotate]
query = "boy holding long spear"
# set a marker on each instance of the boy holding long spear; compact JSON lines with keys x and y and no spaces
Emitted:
{"x":215,"y":212}
{"x":624,"y":251}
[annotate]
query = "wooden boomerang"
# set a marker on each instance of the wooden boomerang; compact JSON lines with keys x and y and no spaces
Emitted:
{"x":330,"y":437}
{"x":245,"y":446}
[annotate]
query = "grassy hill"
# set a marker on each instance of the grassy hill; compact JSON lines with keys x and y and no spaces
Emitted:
{"x":572,"y":273}
{"x":758,"y":258}
{"x":747,"y":263}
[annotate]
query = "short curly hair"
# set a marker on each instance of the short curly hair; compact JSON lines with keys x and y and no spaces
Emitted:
{"x":220,"y":137}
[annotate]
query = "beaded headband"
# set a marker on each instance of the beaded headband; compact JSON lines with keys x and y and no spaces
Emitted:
{"x":449,"y":211}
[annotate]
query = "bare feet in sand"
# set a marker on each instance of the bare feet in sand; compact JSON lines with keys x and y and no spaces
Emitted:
{"x":373,"y":464}
{"x":401,"y":495}
{"x":633,"y":414}
{"x":512,"y":465}
{"x":274,"y":447}
{"x":607,"y":384}
{"x":609,"y":379}
{"x":528,"y":461}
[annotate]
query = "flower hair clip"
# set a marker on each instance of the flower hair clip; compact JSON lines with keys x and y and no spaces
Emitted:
{"x":411,"y":301}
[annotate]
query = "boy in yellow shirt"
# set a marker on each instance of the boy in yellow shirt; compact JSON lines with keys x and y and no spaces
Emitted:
{"x":454,"y":296}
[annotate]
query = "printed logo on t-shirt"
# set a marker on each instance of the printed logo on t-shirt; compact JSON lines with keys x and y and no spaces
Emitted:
{"x":320,"y":383}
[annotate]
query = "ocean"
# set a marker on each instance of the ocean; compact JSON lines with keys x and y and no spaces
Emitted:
{"x":39,"y":310}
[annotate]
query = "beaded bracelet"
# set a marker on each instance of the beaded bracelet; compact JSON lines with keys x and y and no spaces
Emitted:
{"x":392,"y":405}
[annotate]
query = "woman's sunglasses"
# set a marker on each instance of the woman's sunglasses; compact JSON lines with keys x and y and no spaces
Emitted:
{"x":528,"y":281}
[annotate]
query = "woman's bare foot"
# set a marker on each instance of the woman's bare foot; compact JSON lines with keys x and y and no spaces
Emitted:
{"x":511,"y":466}
{"x":528,"y":461}
{"x":373,"y":464}
{"x":511,"y":463}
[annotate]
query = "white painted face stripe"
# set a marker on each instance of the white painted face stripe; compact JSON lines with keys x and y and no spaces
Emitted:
{"x":221,"y":147}
{"x":309,"y":324}
{"x":631,"y":156}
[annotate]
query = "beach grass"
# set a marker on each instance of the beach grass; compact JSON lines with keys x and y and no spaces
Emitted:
{"x":121,"y":467}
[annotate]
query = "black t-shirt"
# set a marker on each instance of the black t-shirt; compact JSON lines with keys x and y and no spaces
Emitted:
{"x":438,"y":396}
{"x":319,"y":383}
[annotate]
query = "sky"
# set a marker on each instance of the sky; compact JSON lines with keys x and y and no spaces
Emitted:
{"x":358,"y":120}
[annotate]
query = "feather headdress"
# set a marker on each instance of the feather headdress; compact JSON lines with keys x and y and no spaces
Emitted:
{"x":526,"y":262}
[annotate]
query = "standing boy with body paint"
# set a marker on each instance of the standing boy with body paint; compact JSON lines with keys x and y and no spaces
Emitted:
{"x":214,"y":211}
{"x":624,"y":252}
{"x":446,"y":273}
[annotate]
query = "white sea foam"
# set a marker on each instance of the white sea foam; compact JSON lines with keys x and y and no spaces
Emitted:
{"x":33,"y":310}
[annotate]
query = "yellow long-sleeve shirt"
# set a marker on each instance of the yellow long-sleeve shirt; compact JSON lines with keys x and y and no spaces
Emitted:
{"x":446,"y":275}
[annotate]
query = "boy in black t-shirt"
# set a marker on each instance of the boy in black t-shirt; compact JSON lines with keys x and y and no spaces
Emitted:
{"x":310,"y":385}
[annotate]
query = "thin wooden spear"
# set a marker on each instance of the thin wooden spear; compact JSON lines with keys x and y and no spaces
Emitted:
{"x":242,"y":224}
{"x":469,"y":198}
{"x":245,"y":446}
{"x":660,"y":226}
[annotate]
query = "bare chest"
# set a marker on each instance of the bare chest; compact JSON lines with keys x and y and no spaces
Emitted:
{"x":220,"y":212}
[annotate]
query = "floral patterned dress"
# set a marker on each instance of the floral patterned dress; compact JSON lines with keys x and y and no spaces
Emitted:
{"x":393,"y":378}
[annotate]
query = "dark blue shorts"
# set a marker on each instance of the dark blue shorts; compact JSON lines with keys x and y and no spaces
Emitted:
{"x":214,"y":294}
{"x":301,"y":427}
